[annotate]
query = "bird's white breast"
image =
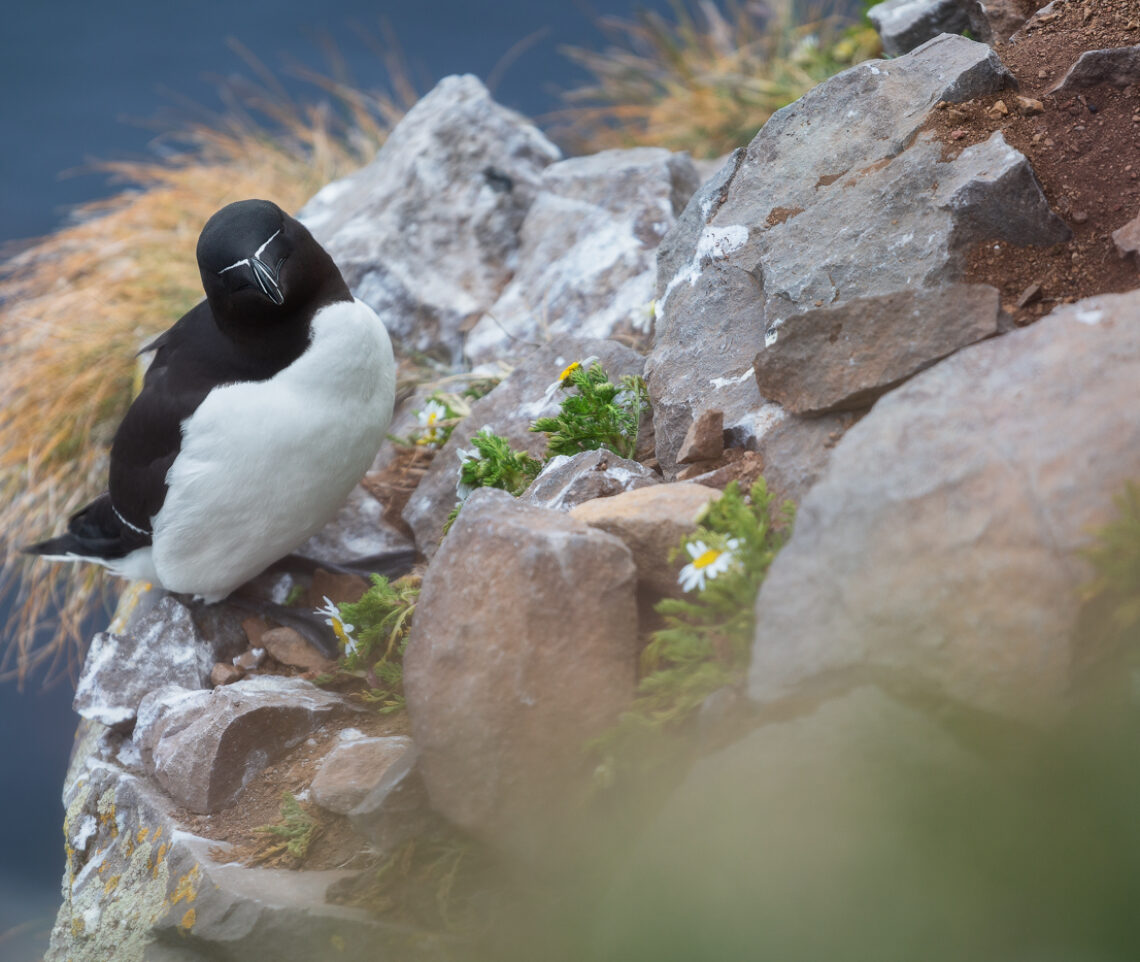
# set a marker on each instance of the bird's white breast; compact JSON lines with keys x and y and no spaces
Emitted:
{"x":264,"y":464}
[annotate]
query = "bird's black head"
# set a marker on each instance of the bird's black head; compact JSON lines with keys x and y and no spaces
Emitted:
{"x":261,"y":267}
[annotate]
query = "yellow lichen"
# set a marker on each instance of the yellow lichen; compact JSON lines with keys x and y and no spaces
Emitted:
{"x":188,"y":920}
{"x":187,"y":887}
{"x":111,"y":884}
{"x":142,"y":834}
{"x":337,"y":942}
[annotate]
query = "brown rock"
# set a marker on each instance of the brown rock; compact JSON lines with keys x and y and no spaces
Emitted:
{"x":704,"y":441}
{"x":998,"y":110}
{"x":337,"y":587}
{"x":1029,"y":295}
{"x":254,"y":628}
{"x":1127,"y":240}
{"x":650,"y":522}
{"x":353,"y":769}
{"x":289,"y":647}
{"x":1030,"y":107}
{"x":523,"y":649}
{"x":223,"y":674}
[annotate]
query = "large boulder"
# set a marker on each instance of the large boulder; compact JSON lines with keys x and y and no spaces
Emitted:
{"x":840,"y":225}
{"x":943,"y":543}
{"x":587,"y":250}
{"x":427,"y":233}
{"x":524,"y":647}
{"x":508,"y":411}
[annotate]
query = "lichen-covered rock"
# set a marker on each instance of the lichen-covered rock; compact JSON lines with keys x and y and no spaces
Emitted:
{"x":650,"y":522}
{"x":508,"y":411}
{"x":138,"y":888}
{"x":161,"y":646}
{"x":943,"y":543}
{"x":838,"y":210}
{"x":568,"y":481}
{"x":427,"y":233}
{"x":524,"y":647}
{"x":203,"y":747}
{"x":586,"y":256}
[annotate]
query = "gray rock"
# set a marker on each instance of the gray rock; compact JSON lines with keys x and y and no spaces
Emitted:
{"x":994,"y":20}
{"x":163,"y":646}
{"x":426,"y":234}
{"x":524,"y":647}
{"x":1119,"y":66}
{"x":838,"y":198}
{"x":568,"y":481}
{"x":844,"y":358}
{"x":139,"y":888}
{"x":586,"y":258}
{"x":943,"y":544}
{"x":509,"y":411}
{"x":905,"y":24}
{"x":203,"y":747}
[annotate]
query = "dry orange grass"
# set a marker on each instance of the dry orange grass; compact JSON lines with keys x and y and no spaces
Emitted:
{"x":706,"y":81}
{"x":76,"y":307}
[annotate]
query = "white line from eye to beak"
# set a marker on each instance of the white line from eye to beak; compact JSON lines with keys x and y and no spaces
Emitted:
{"x":244,"y":262}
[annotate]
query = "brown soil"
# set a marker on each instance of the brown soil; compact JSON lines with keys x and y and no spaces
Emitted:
{"x":1084,"y":148}
{"x":337,"y":846}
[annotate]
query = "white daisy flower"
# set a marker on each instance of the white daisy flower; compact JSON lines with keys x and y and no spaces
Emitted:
{"x":340,"y":627}
{"x":430,"y":434}
{"x":707,"y":563}
{"x":564,"y":378}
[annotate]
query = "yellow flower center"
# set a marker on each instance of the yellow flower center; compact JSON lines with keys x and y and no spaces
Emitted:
{"x":338,"y":630}
{"x":706,"y":559}
{"x":570,"y":370}
{"x":432,"y":418}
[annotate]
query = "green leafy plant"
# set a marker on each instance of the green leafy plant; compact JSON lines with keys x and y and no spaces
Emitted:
{"x":491,"y":462}
{"x":374,"y":634}
{"x":600,"y":415}
{"x":288,"y":841}
{"x":706,"y":640}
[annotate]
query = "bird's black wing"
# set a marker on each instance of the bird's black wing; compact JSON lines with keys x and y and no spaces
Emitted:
{"x":190,"y":359}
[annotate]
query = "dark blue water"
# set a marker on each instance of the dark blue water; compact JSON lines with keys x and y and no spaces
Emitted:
{"x":72,"y":76}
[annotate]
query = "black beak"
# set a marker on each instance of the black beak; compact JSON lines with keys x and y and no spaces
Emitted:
{"x":267,"y":280}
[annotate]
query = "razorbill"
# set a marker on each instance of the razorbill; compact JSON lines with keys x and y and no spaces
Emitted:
{"x":263,"y":407}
